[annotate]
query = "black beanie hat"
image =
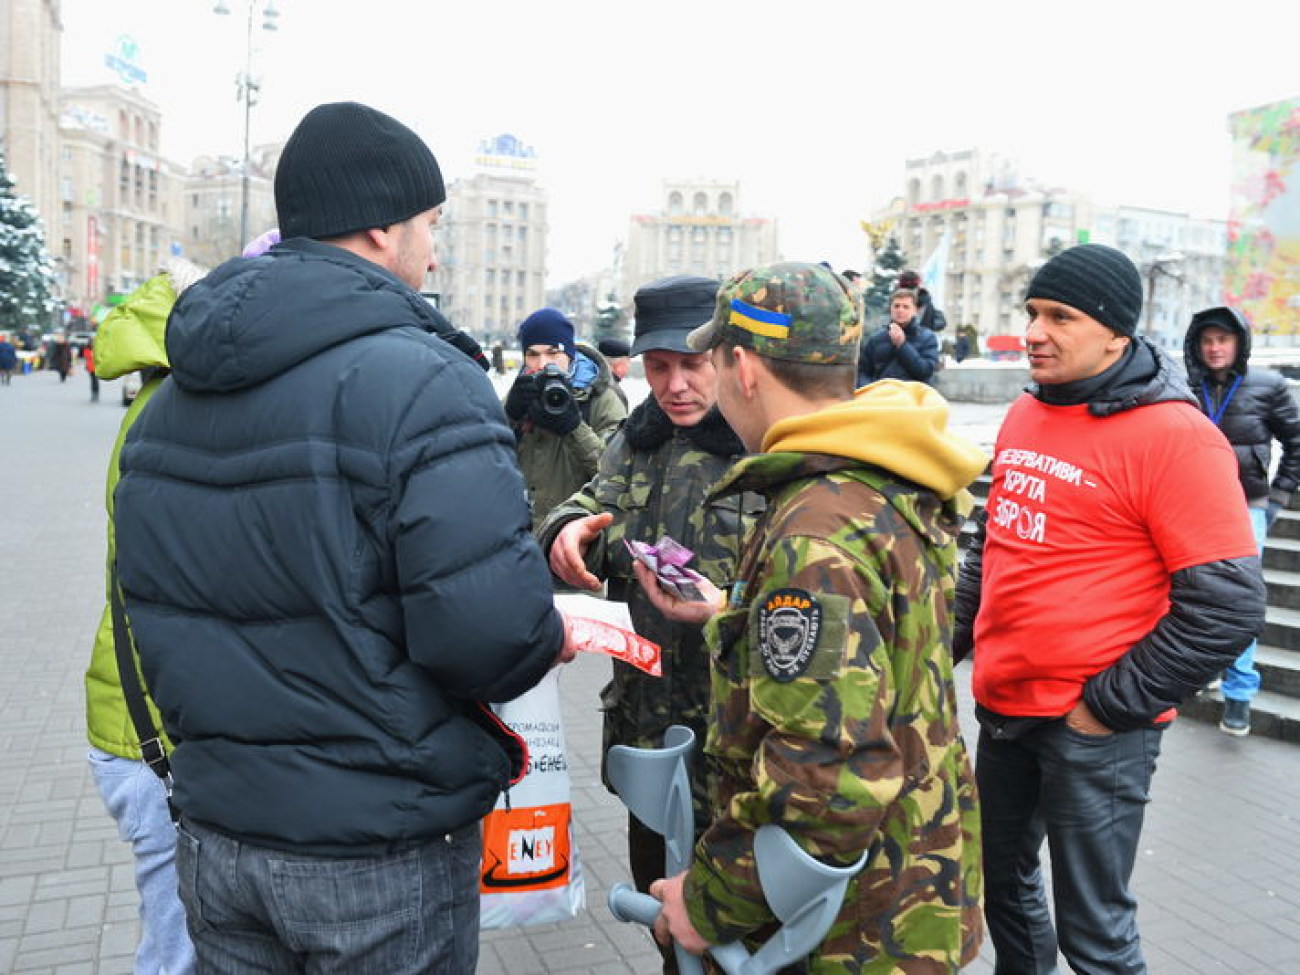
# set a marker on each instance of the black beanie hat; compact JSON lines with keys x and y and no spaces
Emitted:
{"x":1097,"y":280}
{"x":348,"y":167}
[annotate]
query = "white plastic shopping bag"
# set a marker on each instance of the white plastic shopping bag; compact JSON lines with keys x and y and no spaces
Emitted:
{"x":530,"y":872}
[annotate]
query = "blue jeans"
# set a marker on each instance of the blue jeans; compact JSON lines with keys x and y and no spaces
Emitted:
{"x":1241,"y":679}
{"x":1087,"y":795}
{"x":254,"y":909}
{"x":137,"y":801}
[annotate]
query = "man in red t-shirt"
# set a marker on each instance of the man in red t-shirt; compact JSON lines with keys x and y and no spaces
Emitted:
{"x":1114,"y":571}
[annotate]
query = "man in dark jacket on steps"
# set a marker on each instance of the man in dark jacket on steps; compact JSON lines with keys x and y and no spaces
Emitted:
{"x":324,"y":547}
{"x":1114,"y":572}
{"x":1253,"y":407}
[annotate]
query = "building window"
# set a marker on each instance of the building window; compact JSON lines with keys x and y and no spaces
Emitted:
{"x":492,"y":209}
{"x":725,"y":204}
{"x":700,"y":205}
{"x":523,"y":211}
{"x":675,"y":204}
{"x":509,"y":208}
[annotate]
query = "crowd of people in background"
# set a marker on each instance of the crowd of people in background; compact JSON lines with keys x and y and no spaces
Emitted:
{"x":332,"y":547}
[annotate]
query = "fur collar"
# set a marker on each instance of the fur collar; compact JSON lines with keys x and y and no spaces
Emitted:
{"x":648,"y":428}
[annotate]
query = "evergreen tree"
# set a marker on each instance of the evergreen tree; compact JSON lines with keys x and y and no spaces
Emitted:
{"x":27,"y":282}
{"x":884,"y":276}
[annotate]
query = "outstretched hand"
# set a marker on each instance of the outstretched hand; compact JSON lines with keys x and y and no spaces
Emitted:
{"x":568,"y":551}
{"x":676,"y":608}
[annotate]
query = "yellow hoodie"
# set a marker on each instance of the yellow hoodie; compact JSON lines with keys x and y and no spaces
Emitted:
{"x":899,"y":426}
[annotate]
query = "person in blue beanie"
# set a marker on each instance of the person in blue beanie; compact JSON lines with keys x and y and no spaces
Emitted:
{"x":563,"y":406}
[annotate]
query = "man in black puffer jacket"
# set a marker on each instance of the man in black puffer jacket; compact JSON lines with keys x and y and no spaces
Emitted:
{"x":322,"y":610}
{"x":1253,"y":407}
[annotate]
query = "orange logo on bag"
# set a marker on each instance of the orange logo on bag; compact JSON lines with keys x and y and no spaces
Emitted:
{"x":525,"y":849}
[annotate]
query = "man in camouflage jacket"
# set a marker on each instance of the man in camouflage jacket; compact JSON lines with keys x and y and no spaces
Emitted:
{"x":834,"y":713}
{"x":652,"y":482}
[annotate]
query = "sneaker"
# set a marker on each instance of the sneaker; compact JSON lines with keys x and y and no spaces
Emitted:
{"x":1236,"y":717}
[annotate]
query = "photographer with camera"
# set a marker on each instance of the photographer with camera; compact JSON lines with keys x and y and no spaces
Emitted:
{"x":563,"y":408}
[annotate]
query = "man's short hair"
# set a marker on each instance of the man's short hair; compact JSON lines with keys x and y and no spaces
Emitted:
{"x":905,"y":293}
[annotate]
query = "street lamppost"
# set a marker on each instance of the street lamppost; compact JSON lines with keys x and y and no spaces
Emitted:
{"x":246,"y":90}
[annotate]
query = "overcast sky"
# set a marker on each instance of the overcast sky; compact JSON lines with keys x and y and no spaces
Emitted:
{"x":814,"y":106}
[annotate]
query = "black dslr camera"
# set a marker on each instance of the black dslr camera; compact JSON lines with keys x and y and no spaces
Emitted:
{"x":553,"y":390}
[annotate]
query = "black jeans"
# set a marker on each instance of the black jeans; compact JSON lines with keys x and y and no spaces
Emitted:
{"x":1087,"y":795}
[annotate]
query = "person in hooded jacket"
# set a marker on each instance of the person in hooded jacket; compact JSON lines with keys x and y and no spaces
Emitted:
{"x":130,"y":339}
{"x":652,"y":482}
{"x":325,"y":557}
{"x":1112,"y":572}
{"x":1253,"y":407}
{"x":563,"y":406}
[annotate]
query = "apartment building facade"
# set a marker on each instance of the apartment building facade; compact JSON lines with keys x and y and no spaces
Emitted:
{"x":29,"y":99}
{"x":700,"y":229}
{"x":491,"y":243}
{"x":119,"y":213}
{"x":1000,"y":227}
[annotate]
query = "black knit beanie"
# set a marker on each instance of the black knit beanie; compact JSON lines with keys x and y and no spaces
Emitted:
{"x":348,"y":167}
{"x":1097,"y":280}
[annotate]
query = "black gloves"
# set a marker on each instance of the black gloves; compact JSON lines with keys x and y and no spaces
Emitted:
{"x":522,"y":397}
{"x":554,"y":407}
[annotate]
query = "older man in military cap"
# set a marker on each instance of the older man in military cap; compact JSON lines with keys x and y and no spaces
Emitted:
{"x":833,"y":712}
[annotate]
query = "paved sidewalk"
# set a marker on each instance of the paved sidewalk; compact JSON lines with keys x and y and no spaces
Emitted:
{"x":1218,"y":878}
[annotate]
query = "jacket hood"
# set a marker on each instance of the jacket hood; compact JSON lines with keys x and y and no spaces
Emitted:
{"x":1229,"y":319}
{"x":132,"y":336}
{"x":250,"y":320}
{"x":590,"y":372}
{"x":900,"y":427}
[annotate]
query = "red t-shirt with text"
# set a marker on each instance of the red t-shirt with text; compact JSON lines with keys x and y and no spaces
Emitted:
{"x":1087,"y":518}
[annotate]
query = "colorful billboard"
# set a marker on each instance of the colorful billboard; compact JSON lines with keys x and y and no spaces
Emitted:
{"x":1263,"y":268}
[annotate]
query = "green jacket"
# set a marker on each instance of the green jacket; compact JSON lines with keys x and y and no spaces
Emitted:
{"x":554,"y":467}
{"x":129,"y":339}
{"x":654,"y":479}
{"x":834,"y":711}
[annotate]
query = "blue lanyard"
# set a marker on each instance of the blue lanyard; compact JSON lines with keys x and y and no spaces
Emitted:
{"x":1217,"y":415}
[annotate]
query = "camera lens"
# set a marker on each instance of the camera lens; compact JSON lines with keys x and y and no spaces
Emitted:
{"x":554,"y":392}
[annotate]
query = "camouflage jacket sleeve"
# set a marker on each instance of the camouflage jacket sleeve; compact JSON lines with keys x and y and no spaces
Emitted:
{"x":803,"y":690}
